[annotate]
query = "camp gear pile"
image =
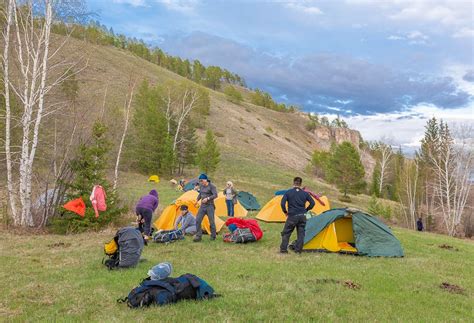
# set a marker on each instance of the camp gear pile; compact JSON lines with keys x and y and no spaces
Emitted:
{"x":168,"y":291}
{"x":166,"y":236}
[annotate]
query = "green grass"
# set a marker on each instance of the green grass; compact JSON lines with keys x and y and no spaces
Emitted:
{"x":41,"y":281}
{"x":52,"y":277}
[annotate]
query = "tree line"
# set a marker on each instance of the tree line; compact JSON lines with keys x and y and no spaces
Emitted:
{"x":434,"y":185}
{"x":95,"y":33}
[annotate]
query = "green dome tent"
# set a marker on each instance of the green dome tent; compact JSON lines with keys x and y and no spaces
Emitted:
{"x":248,"y":201}
{"x":350,"y":231}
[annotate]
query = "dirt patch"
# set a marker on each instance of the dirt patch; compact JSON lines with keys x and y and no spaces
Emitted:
{"x":448,"y":247}
{"x":346,"y":283}
{"x":350,"y":284}
{"x":59,"y":245}
{"x":454,"y":289}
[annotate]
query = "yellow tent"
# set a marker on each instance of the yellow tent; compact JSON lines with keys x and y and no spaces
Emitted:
{"x":272,"y":212}
{"x":221,"y":208}
{"x":154,"y":178}
{"x":336,"y":237}
{"x":169,"y":215}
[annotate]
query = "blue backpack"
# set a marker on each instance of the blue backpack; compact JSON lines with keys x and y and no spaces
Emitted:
{"x":167,"y":291}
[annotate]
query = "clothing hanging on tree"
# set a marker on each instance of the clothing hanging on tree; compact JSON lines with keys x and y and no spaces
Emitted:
{"x":97,"y":198}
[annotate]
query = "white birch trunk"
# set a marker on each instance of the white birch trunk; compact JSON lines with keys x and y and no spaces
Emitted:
{"x":124,"y":134}
{"x":6,"y":85}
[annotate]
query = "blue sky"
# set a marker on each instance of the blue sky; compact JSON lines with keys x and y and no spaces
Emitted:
{"x":381,"y":64}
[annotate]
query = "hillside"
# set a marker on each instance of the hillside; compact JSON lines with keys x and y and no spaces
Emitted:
{"x":246,"y":130}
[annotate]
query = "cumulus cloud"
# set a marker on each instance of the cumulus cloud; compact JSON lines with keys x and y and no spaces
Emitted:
{"x":184,"y":6}
{"x":406,"y":127}
{"x":306,"y":7}
{"x":134,"y":3}
{"x":414,"y":37}
{"x":469,"y":76}
{"x":321,"y":81}
{"x":456,"y":15}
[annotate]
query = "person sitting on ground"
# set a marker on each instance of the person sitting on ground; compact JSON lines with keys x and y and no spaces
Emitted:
{"x":419,"y":225}
{"x":230,"y":198}
{"x":161,"y":271}
{"x":185,"y":221}
{"x":144,"y":210}
{"x":207,"y":195}
{"x":296,"y":218}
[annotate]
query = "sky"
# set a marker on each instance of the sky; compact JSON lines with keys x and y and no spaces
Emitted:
{"x":385,"y":66}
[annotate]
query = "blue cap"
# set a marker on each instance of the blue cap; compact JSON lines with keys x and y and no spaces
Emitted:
{"x":160,"y":271}
{"x":203,"y":176}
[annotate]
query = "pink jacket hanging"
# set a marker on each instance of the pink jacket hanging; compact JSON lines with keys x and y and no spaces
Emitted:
{"x":97,"y":198}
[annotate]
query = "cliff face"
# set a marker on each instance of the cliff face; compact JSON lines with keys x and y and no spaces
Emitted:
{"x":325,"y":136}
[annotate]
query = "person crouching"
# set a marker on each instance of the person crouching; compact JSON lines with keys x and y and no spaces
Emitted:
{"x":185,"y":221}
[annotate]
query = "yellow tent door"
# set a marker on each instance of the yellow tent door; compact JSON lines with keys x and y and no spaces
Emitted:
{"x":221,"y":207}
{"x":335,"y":237}
{"x":272,"y":212}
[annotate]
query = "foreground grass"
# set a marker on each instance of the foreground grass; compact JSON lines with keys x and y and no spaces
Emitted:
{"x":50,"y":277}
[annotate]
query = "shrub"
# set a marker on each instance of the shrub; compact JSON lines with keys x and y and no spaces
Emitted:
{"x":233,"y":95}
{"x":378,"y":208}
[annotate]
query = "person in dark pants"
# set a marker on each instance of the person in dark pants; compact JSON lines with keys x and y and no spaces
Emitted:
{"x":144,"y":210}
{"x":207,"y":195}
{"x":296,"y":218}
{"x":419,"y":225}
{"x":230,"y":198}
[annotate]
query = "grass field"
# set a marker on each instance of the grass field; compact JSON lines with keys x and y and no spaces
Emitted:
{"x":61,"y":278}
{"x":50,"y":277}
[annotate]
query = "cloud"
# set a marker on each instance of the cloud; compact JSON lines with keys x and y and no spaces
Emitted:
{"x":469,"y":76}
{"x":464,"y":33}
{"x":304,"y":6}
{"x":184,"y":6}
{"x":133,"y":3}
{"x":414,"y":37}
{"x":407,"y":126}
{"x":456,"y":15}
{"x":324,"y":79}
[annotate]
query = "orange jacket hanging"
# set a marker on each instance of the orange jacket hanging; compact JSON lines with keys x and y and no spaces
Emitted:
{"x":77,"y":206}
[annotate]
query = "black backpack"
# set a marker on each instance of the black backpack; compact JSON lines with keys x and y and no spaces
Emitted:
{"x":167,"y":291}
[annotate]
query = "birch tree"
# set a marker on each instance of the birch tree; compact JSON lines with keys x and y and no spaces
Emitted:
{"x":127,"y":109}
{"x":409,"y":193}
{"x":27,"y":39}
{"x":452,"y":166}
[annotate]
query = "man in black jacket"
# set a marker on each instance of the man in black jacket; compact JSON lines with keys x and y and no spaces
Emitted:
{"x":296,"y":218}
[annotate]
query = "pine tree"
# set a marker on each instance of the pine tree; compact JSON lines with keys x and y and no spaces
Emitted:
{"x":346,"y":169}
{"x":208,"y":156}
{"x":374,"y":188}
{"x":89,"y":169}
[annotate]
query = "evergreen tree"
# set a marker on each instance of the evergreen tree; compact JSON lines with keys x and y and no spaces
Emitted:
{"x":374,"y":187}
{"x":208,"y":156}
{"x":430,"y":141}
{"x":320,"y":162}
{"x":346,"y":169}
{"x":89,"y":169}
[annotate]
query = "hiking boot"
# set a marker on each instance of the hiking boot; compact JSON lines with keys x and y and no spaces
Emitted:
{"x":197,"y":239}
{"x":283,"y":251}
